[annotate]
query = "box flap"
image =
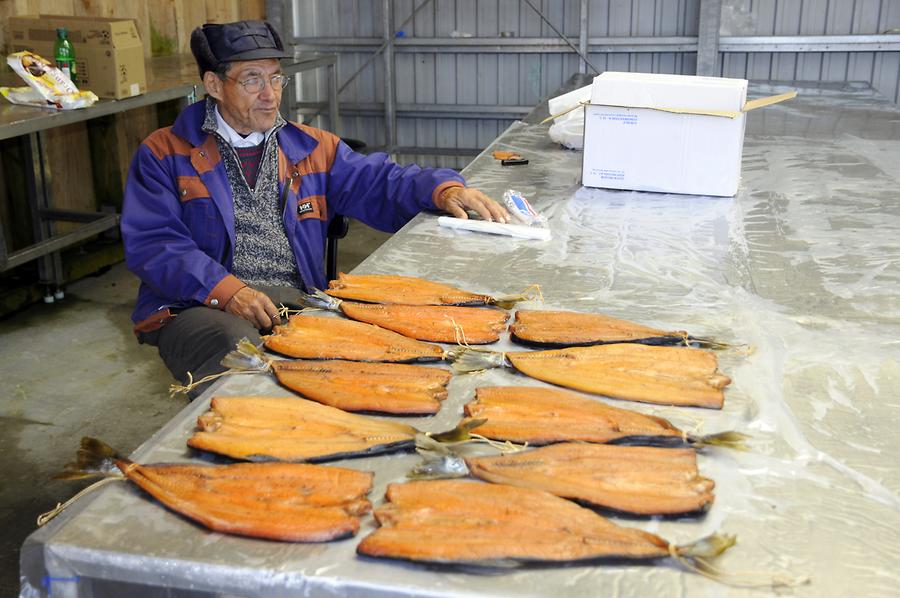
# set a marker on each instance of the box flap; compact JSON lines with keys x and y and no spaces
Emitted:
{"x":661,"y":91}
{"x":95,"y":31}
{"x":769,"y":100}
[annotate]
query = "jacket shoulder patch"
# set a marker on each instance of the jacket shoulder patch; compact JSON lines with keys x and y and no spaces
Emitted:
{"x":163,"y":142}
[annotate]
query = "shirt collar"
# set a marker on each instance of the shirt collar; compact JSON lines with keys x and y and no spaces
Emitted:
{"x":214,"y":123}
{"x":235,"y":138}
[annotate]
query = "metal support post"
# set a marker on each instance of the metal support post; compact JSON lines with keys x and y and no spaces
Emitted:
{"x":390,"y":116}
{"x":333,"y":106}
{"x":280,"y":14}
{"x":708,"y":38}
{"x":37,"y":182}
{"x":583,"y":35}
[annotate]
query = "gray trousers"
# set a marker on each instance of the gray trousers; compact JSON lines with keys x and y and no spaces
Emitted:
{"x":197,"y":339}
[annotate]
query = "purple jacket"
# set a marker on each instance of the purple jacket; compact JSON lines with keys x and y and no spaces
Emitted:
{"x":178,"y":215}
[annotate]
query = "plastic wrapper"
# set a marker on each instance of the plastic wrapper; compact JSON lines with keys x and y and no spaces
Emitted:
{"x":48,"y":86}
{"x":521,"y":210}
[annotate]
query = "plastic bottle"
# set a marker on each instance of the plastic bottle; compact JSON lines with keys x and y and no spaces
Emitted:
{"x":65,"y":54}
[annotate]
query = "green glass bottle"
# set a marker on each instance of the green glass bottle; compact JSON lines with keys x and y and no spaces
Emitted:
{"x":65,"y":54}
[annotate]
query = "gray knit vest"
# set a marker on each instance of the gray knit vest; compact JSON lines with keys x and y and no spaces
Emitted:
{"x":262,"y":252}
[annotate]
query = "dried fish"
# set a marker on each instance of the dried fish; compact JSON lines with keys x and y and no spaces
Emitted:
{"x":311,"y":337}
{"x":634,"y":479}
{"x":573,"y":329}
{"x":356,"y":386}
{"x":278,"y":501}
{"x":291,"y":429}
{"x":628,"y":371}
{"x":433,"y":323}
{"x":406,"y":290}
{"x":538,"y":415}
{"x":467,"y":522}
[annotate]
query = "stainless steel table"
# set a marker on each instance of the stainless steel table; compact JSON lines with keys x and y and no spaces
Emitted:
{"x":802,"y":265}
{"x":168,"y":78}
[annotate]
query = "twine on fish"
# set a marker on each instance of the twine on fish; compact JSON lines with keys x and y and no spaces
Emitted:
{"x":235,"y":361}
{"x":284,"y":311}
{"x":744,"y":579}
{"x":176,"y":389}
{"x":464,"y":360}
{"x":45,"y":518}
{"x":504,"y":447}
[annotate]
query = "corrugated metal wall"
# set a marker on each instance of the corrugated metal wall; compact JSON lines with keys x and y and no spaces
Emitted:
{"x":517,"y":81}
{"x":814,"y":17}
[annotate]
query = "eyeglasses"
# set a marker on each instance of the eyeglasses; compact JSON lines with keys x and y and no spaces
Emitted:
{"x":257,"y":84}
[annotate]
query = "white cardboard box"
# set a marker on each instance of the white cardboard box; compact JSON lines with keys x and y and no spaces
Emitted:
{"x":666,"y":133}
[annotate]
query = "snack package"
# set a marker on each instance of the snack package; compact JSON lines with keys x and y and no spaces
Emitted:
{"x":49,"y":86}
{"x":521,"y":210}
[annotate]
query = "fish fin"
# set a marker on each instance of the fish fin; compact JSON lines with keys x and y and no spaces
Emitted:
{"x":460,"y":433}
{"x":731,"y":439}
{"x":470,"y":359}
{"x":95,"y":458}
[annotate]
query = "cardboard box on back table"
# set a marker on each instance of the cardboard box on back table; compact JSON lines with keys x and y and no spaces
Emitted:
{"x":667,"y":133}
{"x":109,"y":54}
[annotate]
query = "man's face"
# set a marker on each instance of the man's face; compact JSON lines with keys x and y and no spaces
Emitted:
{"x":242,"y":107}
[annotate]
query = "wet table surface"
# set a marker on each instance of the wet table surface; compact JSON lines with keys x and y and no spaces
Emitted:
{"x":801,"y":267}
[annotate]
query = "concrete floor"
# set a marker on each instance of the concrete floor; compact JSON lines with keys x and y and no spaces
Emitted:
{"x":73,"y":369}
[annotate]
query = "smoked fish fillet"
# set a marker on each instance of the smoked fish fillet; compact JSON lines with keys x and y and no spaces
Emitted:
{"x":292,"y":429}
{"x":290,"y":502}
{"x":358,"y":386}
{"x":546,"y":415}
{"x":633,"y":479}
{"x":632,"y":372}
{"x":311,"y":337}
{"x":433,"y":323}
{"x":573,"y":329}
{"x":459,"y":521}
{"x":405,"y":290}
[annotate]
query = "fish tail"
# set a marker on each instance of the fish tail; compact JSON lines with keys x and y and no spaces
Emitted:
{"x":731,"y":439}
{"x":697,"y":557}
{"x":508,"y":301}
{"x":246,"y":357}
{"x":460,"y":433}
{"x":709,"y":547}
{"x":95,"y":458}
{"x":318,"y":299}
{"x":711,"y":343}
{"x":468,"y":359}
{"x":439,"y":461}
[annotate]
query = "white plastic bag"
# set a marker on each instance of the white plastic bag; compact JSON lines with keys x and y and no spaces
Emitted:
{"x":49,"y":86}
{"x":569,"y":131}
{"x":568,"y":127}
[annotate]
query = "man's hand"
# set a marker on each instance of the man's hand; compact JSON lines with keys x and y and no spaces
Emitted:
{"x":455,"y":200}
{"x":255,"y":307}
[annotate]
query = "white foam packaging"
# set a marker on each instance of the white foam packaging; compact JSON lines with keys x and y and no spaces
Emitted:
{"x":666,"y":133}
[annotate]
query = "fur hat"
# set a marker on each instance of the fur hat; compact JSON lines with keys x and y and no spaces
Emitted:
{"x":215,"y":43}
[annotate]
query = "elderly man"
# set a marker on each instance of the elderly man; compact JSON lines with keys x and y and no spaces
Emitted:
{"x":228,"y":208}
